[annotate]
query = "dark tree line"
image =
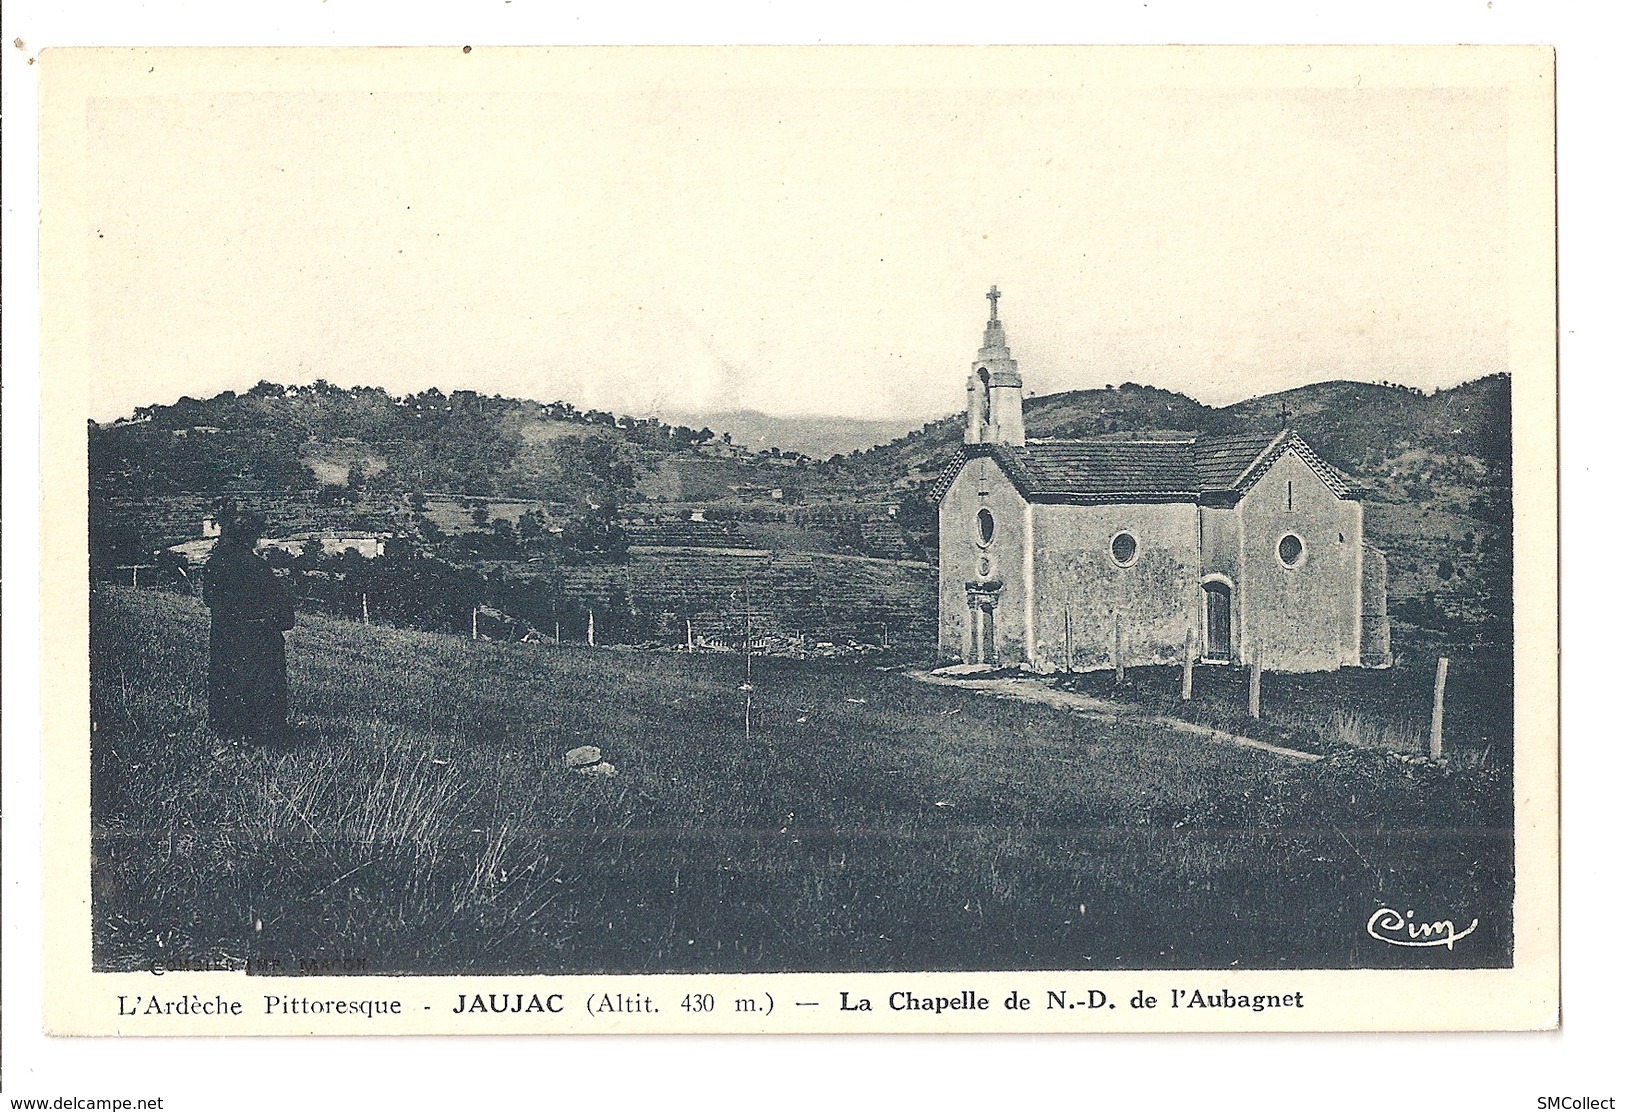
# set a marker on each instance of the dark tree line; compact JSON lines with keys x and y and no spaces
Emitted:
{"x":408,"y":589}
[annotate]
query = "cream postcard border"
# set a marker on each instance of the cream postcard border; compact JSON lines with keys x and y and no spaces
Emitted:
{"x":78,"y":1001}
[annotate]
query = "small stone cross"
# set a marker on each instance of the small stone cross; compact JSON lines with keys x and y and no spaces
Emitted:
{"x":993,"y":295}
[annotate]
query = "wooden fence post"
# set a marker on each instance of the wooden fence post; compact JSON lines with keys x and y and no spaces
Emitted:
{"x":1117,"y":650}
{"x":1436,"y":735}
{"x":365,"y":619}
{"x":592,"y":638}
{"x":474,"y":624}
{"x":690,"y":623}
{"x":134,"y":570}
{"x":1190,"y":661}
{"x":1254,"y":677}
{"x":1069,"y":639}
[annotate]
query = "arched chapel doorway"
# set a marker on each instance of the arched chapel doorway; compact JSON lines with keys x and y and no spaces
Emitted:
{"x":1216,"y":612}
{"x":984,"y":603}
{"x":985,"y":651}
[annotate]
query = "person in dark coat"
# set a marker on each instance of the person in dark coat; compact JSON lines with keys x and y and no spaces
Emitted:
{"x":249,"y":608}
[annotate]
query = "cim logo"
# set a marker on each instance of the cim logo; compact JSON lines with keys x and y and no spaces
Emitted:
{"x":1388,"y":925}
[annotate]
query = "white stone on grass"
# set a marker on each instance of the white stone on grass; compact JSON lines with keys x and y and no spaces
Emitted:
{"x":583,"y":756}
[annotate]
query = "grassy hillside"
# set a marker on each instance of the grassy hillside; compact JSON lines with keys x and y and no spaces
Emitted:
{"x":422,"y":820}
{"x":1360,"y":425}
{"x":302,"y":437}
{"x":1357,"y":426}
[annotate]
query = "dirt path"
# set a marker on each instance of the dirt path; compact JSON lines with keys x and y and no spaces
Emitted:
{"x":1033,"y":689}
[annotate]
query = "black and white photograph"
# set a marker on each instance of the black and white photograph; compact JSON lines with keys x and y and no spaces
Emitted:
{"x":1078,"y":520}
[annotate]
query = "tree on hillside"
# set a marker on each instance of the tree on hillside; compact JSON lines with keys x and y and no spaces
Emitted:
{"x":917,"y":516}
{"x":595,"y":533}
{"x":599,"y":470}
{"x":532,"y":527}
{"x":682,"y":436}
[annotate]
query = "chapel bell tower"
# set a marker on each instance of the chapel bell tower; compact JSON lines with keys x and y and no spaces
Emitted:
{"x":993,"y":391}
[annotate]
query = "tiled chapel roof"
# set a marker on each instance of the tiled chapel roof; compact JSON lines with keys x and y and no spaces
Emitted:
{"x":1099,"y":467}
{"x":1222,"y":460}
{"x":1141,"y":470}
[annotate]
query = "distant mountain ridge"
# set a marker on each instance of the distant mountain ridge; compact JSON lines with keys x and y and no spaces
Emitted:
{"x":1353,"y":423}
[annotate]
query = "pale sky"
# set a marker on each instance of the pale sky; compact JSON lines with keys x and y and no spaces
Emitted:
{"x":665,"y":241}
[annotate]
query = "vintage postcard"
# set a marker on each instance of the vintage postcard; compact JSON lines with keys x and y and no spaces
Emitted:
{"x":799,"y":540}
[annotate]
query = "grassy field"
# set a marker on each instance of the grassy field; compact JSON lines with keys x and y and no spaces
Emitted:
{"x":423,"y":821}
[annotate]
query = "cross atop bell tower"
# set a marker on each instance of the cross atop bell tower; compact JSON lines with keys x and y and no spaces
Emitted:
{"x":993,"y":391}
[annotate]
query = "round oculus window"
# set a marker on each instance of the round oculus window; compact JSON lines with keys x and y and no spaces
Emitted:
{"x":1290,"y":550}
{"x":984,"y":526}
{"x":1125,"y":549}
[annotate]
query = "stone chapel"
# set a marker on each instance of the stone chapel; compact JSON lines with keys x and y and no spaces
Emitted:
{"x":1053,"y":553}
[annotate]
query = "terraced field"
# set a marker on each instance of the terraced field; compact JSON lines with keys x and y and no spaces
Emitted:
{"x":825,"y":597}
